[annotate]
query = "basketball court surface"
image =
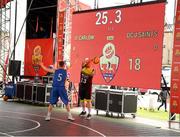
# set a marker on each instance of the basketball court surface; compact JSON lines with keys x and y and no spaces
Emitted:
{"x":20,"y":119}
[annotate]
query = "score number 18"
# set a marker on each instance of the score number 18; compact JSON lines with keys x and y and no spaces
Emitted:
{"x":135,"y":64}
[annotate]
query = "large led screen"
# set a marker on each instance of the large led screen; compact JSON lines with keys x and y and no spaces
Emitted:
{"x":127,"y":39}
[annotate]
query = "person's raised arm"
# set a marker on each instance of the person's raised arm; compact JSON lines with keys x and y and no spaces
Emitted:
{"x":51,"y":70}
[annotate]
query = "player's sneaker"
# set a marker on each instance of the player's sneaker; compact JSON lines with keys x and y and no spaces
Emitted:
{"x":70,"y":118}
{"x":89,"y":116}
{"x":48,"y":118}
{"x":83,"y":113}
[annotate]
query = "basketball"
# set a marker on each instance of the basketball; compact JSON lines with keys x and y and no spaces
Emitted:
{"x":5,"y":98}
{"x":96,"y":60}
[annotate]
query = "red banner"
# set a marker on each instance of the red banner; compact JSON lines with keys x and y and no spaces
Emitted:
{"x":128,"y":41}
{"x":175,"y":73}
{"x":62,"y":6}
{"x":3,"y":3}
{"x":37,"y":50}
{"x":60,"y":35}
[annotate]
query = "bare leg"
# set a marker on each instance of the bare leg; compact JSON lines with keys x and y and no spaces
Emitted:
{"x":83,"y":104}
{"x":49,"y":112}
{"x":68,"y":107}
{"x":89,"y":106}
{"x":50,"y":108}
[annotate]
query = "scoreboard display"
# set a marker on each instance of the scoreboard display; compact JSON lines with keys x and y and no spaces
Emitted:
{"x":128,"y":40}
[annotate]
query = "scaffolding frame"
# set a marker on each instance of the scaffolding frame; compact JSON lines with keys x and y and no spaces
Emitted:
{"x":67,"y":30}
{"x":5,"y":23}
{"x":70,"y":4}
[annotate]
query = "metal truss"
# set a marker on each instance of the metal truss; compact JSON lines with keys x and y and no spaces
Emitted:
{"x":5,"y":18}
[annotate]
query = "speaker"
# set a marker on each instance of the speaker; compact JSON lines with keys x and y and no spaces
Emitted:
{"x":101,"y":98}
{"x":40,"y":93}
{"x":115,"y":102}
{"x":14,"y":68}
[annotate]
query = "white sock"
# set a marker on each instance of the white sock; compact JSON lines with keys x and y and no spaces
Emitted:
{"x":83,"y":109}
{"x":49,"y":114}
{"x":89,"y":110}
{"x":69,"y":114}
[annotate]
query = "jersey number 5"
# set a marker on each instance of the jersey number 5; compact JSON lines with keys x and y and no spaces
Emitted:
{"x":59,"y":77}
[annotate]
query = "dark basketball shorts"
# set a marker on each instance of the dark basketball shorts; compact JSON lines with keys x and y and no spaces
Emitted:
{"x":85,"y":93}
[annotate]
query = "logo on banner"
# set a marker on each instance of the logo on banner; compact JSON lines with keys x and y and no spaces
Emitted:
{"x":109,"y":62}
{"x":36,"y":58}
{"x":176,"y":69}
{"x":178,"y":19}
{"x":178,"y":36}
{"x":177,"y":52}
{"x":175,"y":86}
{"x":174,"y":104}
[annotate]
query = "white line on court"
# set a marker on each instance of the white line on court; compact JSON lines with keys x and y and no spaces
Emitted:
{"x":6,"y":134}
{"x":80,"y":125}
{"x":18,"y":131}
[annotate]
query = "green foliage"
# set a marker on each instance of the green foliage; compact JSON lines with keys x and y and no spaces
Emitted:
{"x":153,"y":114}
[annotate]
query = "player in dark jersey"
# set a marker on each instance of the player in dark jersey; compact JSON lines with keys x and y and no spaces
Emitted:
{"x":85,"y":87}
{"x":58,"y":89}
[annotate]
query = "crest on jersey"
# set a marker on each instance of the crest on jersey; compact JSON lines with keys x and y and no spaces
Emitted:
{"x":109,"y":62}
